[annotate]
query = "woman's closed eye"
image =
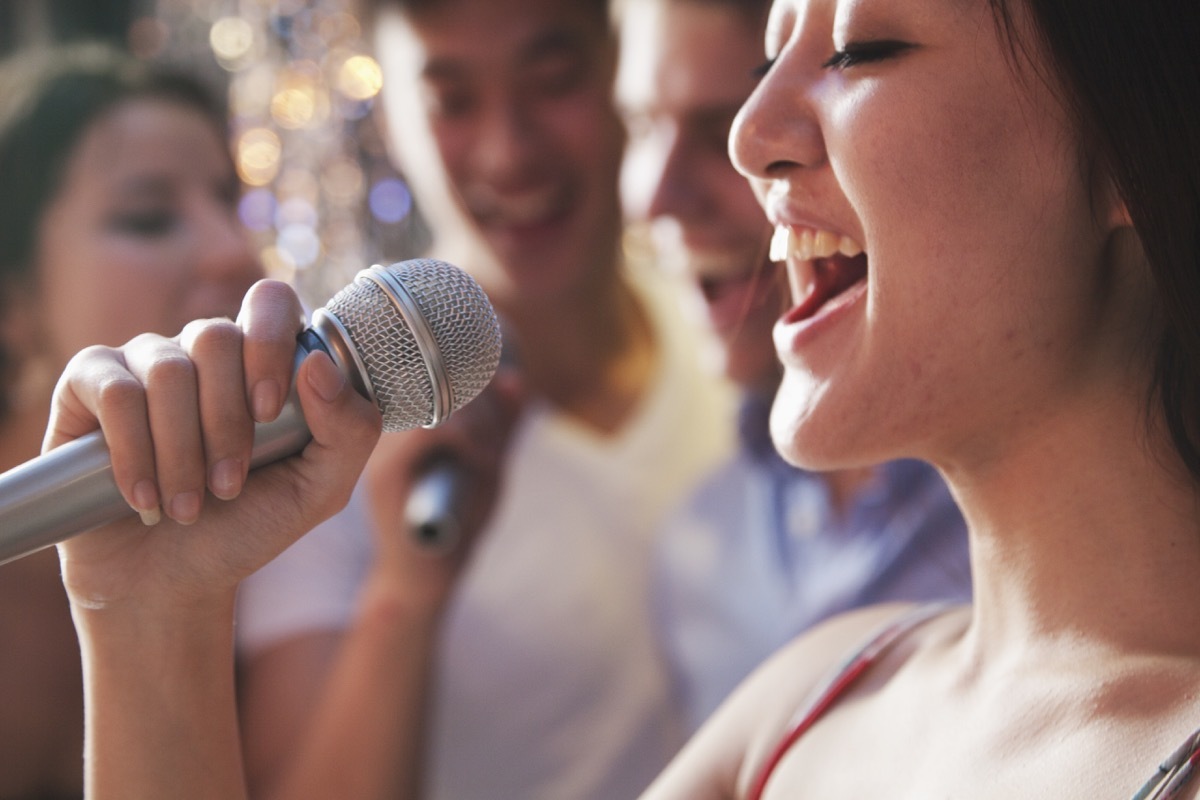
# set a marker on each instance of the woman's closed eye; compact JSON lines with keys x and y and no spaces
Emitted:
{"x":144,"y":223}
{"x":856,"y":53}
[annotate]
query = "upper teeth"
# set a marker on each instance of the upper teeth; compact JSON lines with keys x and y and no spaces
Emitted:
{"x":806,"y":244}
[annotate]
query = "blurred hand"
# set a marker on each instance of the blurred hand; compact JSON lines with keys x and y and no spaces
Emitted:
{"x":476,"y":437}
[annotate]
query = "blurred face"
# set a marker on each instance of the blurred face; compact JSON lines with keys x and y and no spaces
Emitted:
{"x":143,"y":235}
{"x":500,"y":113}
{"x":951,"y":289}
{"x":685,"y":70}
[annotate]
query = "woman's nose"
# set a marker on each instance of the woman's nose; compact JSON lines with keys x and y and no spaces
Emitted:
{"x":778,"y":129}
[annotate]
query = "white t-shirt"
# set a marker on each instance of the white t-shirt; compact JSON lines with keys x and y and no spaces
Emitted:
{"x":550,"y":684}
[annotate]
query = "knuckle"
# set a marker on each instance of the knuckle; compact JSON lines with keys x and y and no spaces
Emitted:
{"x":268,"y":304}
{"x":93,"y":352}
{"x":270,"y":287}
{"x":171,"y":369}
{"x":335,"y":497}
{"x":274,"y":294}
{"x":90,"y":359}
{"x":215,"y":336}
{"x":147,"y":343}
{"x":118,"y":393}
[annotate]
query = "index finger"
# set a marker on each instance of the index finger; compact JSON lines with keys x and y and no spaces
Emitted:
{"x":271,"y":317}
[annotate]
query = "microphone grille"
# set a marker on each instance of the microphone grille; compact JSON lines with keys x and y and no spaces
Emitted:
{"x":426,"y":335}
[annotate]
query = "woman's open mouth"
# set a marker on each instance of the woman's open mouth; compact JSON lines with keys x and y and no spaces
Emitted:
{"x":822,"y":265}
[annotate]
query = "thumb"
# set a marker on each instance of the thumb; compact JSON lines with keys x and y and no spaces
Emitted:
{"x":345,"y":427}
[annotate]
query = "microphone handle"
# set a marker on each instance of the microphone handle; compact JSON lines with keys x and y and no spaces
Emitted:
{"x":71,"y":489}
{"x":431,"y":511}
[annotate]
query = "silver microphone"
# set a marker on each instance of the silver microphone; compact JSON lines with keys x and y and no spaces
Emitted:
{"x":419,"y":339}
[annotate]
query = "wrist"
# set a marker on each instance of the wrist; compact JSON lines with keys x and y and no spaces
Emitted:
{"x":403,"y":604}
{"x":163,"y":630}
{"x":160,"y":703}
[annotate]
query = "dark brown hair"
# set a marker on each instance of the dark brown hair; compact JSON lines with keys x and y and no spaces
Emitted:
{"x":1132,"y":80}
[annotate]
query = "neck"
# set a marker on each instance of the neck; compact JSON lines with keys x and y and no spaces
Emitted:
{"x":1084,"y":534}
{"x":591,"y":359}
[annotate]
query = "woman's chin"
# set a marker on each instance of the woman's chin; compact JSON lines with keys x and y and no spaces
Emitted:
{"x":807,"y":429}
{"x":811,"y":456}
{"x":798,"y":438}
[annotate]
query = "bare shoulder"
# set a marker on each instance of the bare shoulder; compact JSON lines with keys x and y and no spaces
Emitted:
{"x":769,"y":700}
{"x":723,"y":757}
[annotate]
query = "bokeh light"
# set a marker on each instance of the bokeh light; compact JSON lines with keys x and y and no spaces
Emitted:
{"x":257,"y":210}
{"x":360,"y":78}
{"x":257,"y":154}
{"x":295,"y":211}
{"x":300,"y":243}
{"x":300,"y":101}
{"x":390,"y":200}
{"x":231,"y":39}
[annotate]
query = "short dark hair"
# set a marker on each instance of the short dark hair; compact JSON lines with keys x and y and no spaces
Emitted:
{"x":1132,"y":81}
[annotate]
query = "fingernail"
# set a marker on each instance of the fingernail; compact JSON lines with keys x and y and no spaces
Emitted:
{"x":265,"y":400}
{"x":185,"y":507}
{"x":327,"y":379}
{"x":145,"y":499}
{"x":225,"y":480}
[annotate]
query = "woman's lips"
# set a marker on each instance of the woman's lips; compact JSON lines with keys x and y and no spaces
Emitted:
{"x":811,"y":319}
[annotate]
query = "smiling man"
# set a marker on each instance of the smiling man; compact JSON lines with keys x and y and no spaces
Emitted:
{"x":544,"y":679}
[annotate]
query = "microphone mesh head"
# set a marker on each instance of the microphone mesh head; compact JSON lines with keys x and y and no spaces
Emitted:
{"x":464,"y":328}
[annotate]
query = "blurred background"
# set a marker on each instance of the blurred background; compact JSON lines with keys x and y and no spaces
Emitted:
{"x":321,"y":198}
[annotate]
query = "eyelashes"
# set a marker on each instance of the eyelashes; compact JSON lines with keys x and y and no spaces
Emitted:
{"x":851,"y":55}
{"x":856,"y":53}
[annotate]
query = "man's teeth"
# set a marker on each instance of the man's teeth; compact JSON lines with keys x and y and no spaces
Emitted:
{"x":807,"y":244}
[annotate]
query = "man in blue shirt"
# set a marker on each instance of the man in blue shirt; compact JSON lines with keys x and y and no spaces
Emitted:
{"x":764,"y":549}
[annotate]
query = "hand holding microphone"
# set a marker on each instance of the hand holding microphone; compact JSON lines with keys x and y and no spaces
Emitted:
{"x":419,"y":339}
